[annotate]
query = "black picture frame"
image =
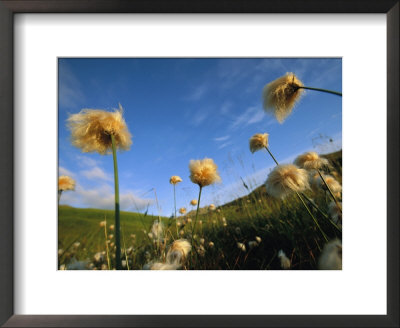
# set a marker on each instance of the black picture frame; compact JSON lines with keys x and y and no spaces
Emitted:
{"x":10,"y":7}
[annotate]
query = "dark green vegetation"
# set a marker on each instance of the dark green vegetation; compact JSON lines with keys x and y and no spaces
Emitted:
{"x":281,"y":225}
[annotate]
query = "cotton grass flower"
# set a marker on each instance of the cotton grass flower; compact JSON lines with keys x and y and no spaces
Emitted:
{"x":65,"y":183}
{"x":182,"y":210}
{"x":175,"y":179}
{"x":178,"y":252}
{"x":258,"y":239}
{"x":310,"y":160}
{"x":285,"y":262}
{"x":258,"y":142}
{"x":332,"y":183}
{"x":193,"y":202}
{"x":211,"y":244}
{"x":241,"y":246}
{"x":203,"y":173}
{"x":212,"y":207}
{"x":331,"y":256}
{"x":164,"y":266}
{"x":157,"y":229}
{"x":281,"y":95}
{"x":286,"y":179}
{"x":95,"y":130}
{"x":91,"y":130}
{"x":103,"y":224}
{"x":252,"y":244}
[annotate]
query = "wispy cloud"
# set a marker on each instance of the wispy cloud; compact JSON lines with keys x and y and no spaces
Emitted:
{"x":251,"y":115}
{"x":222,"y":138}
{"x":197,"y":93}
{"x":103,"y":198}
{"x":226,"y":107}
{"x":64,"y":171}
{"x":96,"y":173}
{"x":225,"y":144}
{"x":69,"y":88}
{"x":86,"y":161}
{"x":199,"y":117}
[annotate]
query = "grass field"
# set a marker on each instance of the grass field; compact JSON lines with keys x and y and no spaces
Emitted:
{"x":247,"y":233}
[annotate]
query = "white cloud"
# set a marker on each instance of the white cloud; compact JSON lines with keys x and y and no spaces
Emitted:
{"x":199,"y":117}
{"x":225,"y":144}
{"x":69,"y":91}
{"x":96,"y":173}
{"x":226,"y":107}
{"x":86,"y":161}
{"x":222,"y":138}
{"x":197,"y":93}
{"x":64,"y":171}
{"x":251,"y":115}
{"x":103,"y":198}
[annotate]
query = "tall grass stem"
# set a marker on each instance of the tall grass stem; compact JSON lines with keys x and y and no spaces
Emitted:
{"x":117,"y":219}
{"x":312,"y":216}
{"x":323,"y":90}
{"x":197,"y":211}
{"x":105,"y":235}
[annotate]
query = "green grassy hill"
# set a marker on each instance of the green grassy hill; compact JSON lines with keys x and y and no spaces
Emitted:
{"x":281,"y":224}
{"x":83,"y":225}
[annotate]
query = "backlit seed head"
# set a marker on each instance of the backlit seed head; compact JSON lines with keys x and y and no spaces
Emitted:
{"x":310,"y":160}
{"x":286,"y":179}
{"x":280,"y":96}
{"x":258,"y":142}
{"x":175,"y":179}
{"x":241,"y":246}
{"x":203,"y":172}
{"x":91,"y":130}
{"x":285,"y":262}
{"x":66,"y":183}
{"x":331,"y":256}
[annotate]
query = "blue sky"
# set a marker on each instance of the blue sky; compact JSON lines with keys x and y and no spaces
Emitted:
{"x":182,"y":109}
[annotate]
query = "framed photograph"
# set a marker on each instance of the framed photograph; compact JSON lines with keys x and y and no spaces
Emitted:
{"x":199,"y":164}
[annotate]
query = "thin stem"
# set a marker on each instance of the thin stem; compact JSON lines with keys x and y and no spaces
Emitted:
{"x":323,"y":90}
{"x":126,"y":255}
{"x":276,"y":162}
{"x":105,"y":235}
{"x":311,"y":202}
{"x":59,"y":195}
{"x":330,"y":191}
{"x":175,"y":200}
{"x":320,"y":211}
{"x":312,"y":216}
{"x":197,"y":211}
{"x":117,"y":220}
